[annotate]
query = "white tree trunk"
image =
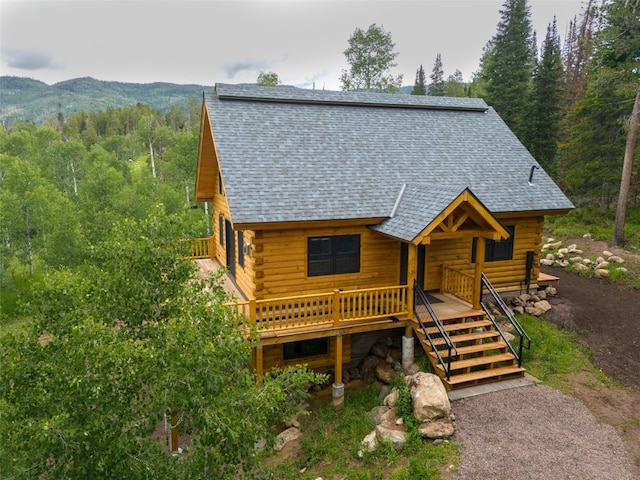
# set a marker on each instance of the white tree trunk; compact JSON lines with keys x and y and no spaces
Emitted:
{"x":153,"y":161}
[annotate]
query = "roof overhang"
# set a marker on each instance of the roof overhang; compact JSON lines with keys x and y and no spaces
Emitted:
{"x":206,"y":172}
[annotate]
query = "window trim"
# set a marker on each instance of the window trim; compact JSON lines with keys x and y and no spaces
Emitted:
{"x":332,"y":257}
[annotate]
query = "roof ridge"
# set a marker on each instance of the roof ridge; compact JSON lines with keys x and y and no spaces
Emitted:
{"x":295,"y":95}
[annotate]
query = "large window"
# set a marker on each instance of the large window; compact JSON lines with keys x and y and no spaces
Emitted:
{"x":332,"y":255}
{"x":496,"y":250}
{"x":306,"y":348}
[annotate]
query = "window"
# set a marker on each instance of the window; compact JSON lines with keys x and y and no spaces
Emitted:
{"x":333,"y":255}
{"x":497,"y":250}
{"x":306,"y":348}
{"x":240,"y":248}
{"x":221,"y":228}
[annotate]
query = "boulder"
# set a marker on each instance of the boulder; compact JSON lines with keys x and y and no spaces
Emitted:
{"x":368,"y":444}
{"x":601,"y":273}
{"x":543,"y":305}
{"x":580,"y":267}
{"x":285,"y":437}
{"x":367,"y":368}
{"x":376,"y":414}
{"x":384,"y":372}
{"x":428,"y":397}
{"x":380,"y":350}
{"x":392,"y":434}
{"x":615,"y":258}
{"x":607,"y":253}
{"x":441,"y":428}
{"x":391,"y":400}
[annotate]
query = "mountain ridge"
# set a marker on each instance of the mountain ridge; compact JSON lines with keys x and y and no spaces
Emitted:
{"x":28,"y":99}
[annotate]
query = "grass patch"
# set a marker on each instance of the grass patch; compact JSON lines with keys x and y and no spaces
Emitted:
{"x":330,"y":443}
{"x":556,"y":353}
{"x":13,"y":325}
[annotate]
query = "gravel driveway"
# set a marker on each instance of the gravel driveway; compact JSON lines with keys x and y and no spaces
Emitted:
{"x":535,"y":432}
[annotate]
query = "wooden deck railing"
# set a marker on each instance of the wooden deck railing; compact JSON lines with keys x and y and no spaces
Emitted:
{"x":330,"y":309}
{"x":199,"y":247}
{"x":457,"y":284}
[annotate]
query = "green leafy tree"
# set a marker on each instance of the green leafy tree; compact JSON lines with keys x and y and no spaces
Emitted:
{"x":419,"y":87}
{"x":371,"y":57}
{"x":436,"y":87}
{"x":455,"y":86}
{"x":268,"y":79}
{"x":548,"y":94}
{"x":507,"y":66}
{"x":115,"y":349}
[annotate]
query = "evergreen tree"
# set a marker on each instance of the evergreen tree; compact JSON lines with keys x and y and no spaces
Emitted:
{"x":578,"y":48}
{"x":507,"y":66}
{"x":547,"y":96}
{"x":419,"y":88}
{"x":436,"y":87}
{"x":371,"y":57}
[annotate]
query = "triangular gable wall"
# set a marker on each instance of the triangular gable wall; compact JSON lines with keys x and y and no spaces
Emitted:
{"x":465,"y":216}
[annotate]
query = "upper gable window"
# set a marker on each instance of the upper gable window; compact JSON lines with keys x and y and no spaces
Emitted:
{"x":333,"y":255}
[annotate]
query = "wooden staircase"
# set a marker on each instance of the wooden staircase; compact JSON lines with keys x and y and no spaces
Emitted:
{"x":480,"y":354}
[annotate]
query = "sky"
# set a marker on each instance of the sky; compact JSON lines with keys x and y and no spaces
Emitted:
{"x":211,"y":41}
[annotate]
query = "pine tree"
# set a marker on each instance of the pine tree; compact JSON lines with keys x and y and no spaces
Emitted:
{"x":436,"y":87}
{"x":578,"y":49}
{"x":507,"y":66}
{"x":419,"y":88}
{"x":546,"y":102}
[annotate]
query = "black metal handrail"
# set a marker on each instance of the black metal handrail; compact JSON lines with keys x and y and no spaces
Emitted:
{"x":422,"y":297}
{"x":524,"y":339}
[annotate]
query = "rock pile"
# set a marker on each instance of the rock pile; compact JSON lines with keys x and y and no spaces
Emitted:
{"x":430,"y":405}
{"x":571,"y":257}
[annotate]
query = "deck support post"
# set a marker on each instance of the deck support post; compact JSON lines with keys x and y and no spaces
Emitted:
{"x":337,"y":392}
{"x":259,"y":363}
{"x":407,"y":352}
{"x":477,"y":278}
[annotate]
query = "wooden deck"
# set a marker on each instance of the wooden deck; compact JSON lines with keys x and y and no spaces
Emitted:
{"x":546,"y":280}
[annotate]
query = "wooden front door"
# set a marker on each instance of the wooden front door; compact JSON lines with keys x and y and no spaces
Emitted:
{"x":404,"y":264}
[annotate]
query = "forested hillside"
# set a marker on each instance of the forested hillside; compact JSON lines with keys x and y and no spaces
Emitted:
{"x":31,"y":100}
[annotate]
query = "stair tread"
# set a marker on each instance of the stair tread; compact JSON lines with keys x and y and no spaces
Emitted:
{"x":451,"y":327}
{"x":484,"y":374}
{"x":477,"y":361}
{"x":478,"y":348}
{"x":466,"y":337}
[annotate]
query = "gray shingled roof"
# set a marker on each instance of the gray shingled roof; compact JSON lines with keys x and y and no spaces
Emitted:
{"x":289,"y":154}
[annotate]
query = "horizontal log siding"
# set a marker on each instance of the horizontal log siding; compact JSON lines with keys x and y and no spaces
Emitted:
{"x":456,"y":254}
{"x":281,"y":262}
{"x":274,"y":356}
{"x":244,"y":276}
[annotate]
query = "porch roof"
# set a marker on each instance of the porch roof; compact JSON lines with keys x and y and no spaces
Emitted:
{"x":421,"y":213}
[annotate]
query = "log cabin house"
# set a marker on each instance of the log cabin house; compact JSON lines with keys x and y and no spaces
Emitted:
{"x":342,"y":216}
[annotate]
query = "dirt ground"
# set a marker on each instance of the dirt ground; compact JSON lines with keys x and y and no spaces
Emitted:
{"x":606,"y":318}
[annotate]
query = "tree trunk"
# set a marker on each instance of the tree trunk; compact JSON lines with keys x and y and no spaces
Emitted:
{"x":153,"y":161}
{"x":625,"y":181}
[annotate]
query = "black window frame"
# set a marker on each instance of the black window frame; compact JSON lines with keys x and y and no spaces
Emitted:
{"x":497,"y":250}
{"x":221,"y":229}
{"x":241,"y":248}
{"x":333,"y":255}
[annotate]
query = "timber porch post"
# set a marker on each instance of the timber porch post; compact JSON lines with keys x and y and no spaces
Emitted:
{"x":337,"y":391}
{"x":412,"y":272}
{"x":477,"y":277}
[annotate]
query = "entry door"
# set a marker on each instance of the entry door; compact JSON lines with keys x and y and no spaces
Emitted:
{"x":231,"y":247}
{"x":404,"y":264}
